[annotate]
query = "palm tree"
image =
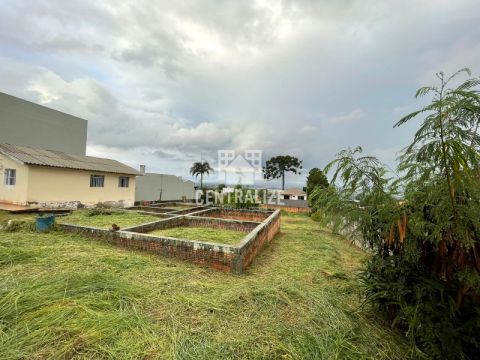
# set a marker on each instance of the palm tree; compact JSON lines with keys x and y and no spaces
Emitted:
{"x":200,"y":168}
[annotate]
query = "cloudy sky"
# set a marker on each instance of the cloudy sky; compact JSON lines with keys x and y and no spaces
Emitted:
{"x":167,"y":83}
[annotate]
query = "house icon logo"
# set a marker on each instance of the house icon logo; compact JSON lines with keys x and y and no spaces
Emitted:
{"x":239,"y":169}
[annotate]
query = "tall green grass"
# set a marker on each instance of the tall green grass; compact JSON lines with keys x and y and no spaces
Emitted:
{"x":65,"y":296}
{"x":105,"y":219}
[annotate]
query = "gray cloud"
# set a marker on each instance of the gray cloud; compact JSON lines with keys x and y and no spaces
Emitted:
{"x":172,"y":82}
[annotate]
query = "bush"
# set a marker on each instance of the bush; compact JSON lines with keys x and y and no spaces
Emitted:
{"x":317,"y":215}
{"x":422,"y":306}
{"x":423,"y":227}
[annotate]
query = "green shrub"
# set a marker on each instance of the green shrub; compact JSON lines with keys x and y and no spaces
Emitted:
{"x":317,"y":215}
{"x":423,"y":227}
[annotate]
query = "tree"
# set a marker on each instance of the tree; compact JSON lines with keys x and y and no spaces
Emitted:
{"x":315,"y":178}
{"x":200,"y":168}
{"x":423,"y":227}
{"x":277,"y":166}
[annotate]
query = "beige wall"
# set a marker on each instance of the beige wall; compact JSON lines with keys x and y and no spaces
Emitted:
{"x":55,"y":185}
{"x":61,"y":187}
{"x":16,"y":194}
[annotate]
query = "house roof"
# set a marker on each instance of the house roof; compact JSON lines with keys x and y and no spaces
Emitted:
{"x":42,"y":157}
{"x":295,"y":192}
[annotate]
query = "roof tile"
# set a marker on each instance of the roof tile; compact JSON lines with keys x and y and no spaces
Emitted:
{"x":43,"y":157}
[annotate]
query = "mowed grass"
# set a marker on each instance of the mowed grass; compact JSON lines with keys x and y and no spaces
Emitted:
{"x":228,"y":237}
{"x":5,"y":216}
{"x":122,"y":219}
{"x":66,"y":296}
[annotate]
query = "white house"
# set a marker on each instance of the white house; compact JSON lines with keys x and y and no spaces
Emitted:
{"x":293,"y":194}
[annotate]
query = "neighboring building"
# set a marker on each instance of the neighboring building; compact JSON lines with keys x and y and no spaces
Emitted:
{"x":228,"y":190}
{"x":33,"y":176}
{"x":163,"y":187}
{"x":293,"y":194}
{"x":25,"y":123}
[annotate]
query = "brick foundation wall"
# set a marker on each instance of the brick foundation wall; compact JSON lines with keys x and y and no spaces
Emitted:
{"x":252,"y":215}
{"x":167,"y":210}
{"x":258,"y":239}
{"x":151,"y":209}
{"x":218,"y":256}
{"x":225,"y":224}
{"x":291,"y":209}
{"x":156,"y":225}
{"x":170,"y":203}
{"x":188,"y":211}
{"x":195,"y":221}
{"x":159,"y":215}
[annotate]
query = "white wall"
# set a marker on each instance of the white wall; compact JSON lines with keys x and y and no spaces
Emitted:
{"x":155,"y":187}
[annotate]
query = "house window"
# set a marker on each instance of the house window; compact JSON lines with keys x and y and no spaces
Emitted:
{"x":123,"y":181}
{"x":300,"y":197}
{"x":10,"y":177}
{"x":97,"y":180}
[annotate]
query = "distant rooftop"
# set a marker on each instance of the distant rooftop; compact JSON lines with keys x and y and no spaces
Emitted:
{"x":295,"y":192}
{"x":43,"y":157}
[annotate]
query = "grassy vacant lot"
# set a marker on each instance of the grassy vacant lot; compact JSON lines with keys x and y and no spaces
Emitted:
{"x":228,"y":237}
{"x":62,"y":295}
{"x":5,"y":216}
{"x":121,"y":218}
